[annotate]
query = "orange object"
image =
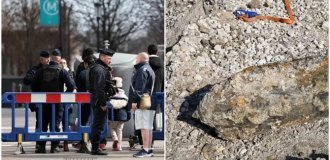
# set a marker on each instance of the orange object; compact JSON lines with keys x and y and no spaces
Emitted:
{"x":289,"y":20}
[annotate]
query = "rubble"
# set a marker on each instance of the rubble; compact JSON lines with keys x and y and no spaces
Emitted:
{"x":202,"y":55}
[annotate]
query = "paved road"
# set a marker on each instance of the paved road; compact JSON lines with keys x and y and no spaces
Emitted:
{"x":8,"y":148}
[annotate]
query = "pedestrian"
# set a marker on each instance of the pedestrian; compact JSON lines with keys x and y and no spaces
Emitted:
{"x":81,"y":66}
{"x":102,"y":90}
{"x":142,"y":84}
{"x":119,"y":113}
{"x":83,"y":86}
{"x":157,"y":65}
{"x":44,"y":59}
{"x":51,"y":78}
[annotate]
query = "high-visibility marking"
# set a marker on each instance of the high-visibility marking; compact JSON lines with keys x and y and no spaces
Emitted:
{"x":68,"y":98}
{"x":86,"y":137}
{"x":53,"y":98}
{"x":23,"y":98}
{"x":38,"y":97}
{"x":82,"y":98}
{"x":20,"y":138}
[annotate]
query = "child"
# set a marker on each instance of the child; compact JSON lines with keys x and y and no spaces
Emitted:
{"x":119,"y":113}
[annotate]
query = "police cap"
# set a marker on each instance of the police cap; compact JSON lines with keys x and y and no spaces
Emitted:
{"x":57,"y":52}
{"x":44,"y":54}
{"x":106,"y":51}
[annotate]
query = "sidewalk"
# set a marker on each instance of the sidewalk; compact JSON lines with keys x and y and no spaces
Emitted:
{"x":8,"y":149}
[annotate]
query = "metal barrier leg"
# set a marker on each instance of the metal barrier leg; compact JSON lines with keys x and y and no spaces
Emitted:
{"x":84,"y":148}
{"x":20,"y":149}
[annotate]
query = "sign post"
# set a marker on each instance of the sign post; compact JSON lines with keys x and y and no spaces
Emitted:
{"x":49,"y":13}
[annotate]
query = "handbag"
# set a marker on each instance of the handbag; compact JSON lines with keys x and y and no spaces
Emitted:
{"x":145,"y":102}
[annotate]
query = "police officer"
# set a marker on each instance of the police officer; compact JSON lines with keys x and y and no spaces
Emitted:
{"x":100,"y":86}
{"x":51,"y":78}
{"x":56,"y":59}
{"x":43,"y":60}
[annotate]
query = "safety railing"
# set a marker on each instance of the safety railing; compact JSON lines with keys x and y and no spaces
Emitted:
{"x":20,"y":134}
{"x":159,"y":100}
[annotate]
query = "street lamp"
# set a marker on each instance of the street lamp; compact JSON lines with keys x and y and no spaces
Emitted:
{"x":98,"y":17}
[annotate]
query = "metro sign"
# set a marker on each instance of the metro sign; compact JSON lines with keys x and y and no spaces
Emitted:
{"x":49,"y":12}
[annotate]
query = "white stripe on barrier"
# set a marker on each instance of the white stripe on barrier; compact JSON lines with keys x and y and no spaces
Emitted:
{"x":38,"y":97}
{"x":68,"y":98}
{"x":53,"y":136}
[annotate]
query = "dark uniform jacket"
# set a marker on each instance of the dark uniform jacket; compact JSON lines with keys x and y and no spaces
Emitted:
{"x":142,"y":82}
{"x":80,"y":68}
{"x":99,"y":82}
{"x":53,"y":81}
{"x":157,"y":65}
{"x":30,"y":74}
{"x":81,"y":81}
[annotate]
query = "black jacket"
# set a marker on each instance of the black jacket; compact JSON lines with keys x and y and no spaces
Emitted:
{"x":99,"y":78}
{"x":63,"y":78}
{"x":157,"y":65}
{"x":30,"y":74}
{"x":142,"y":81}
{"x":81,"y":81}
{"x":80,"y":68}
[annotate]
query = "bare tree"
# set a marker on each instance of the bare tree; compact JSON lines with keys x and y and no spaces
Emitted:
{"x":119,"y":21}
{"x":23,"y":38}
{"x":153,"y":10}
{"x":22,"y":16}
{"x":155,"y":16}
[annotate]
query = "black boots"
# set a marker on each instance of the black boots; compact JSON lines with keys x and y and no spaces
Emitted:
{"x":99,"y":152}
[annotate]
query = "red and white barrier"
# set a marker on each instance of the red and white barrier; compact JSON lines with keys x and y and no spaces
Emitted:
{"x":52,"y":98}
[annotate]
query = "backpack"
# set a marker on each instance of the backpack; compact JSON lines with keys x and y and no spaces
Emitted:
{"x":51,"y":79}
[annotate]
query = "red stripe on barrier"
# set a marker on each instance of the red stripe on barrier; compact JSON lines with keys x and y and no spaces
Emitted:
{"x":82,"y":98}
{"x":23,"y":98}
{"x":53,"y":98}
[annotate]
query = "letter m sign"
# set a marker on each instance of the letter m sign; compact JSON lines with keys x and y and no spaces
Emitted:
{"x":49,"y":13}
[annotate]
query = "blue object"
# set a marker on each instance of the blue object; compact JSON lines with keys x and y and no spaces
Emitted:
{"x":240,"y":12}
{"x":49,"y":13}
{"x":38,"y":135}
{"x":159,"y":99}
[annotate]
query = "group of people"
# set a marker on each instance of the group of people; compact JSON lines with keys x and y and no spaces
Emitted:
{"x":108,"y":99}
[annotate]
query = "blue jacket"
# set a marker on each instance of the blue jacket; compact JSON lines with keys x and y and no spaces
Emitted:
{"x":142,"y":82}
{"x":123,"y":114}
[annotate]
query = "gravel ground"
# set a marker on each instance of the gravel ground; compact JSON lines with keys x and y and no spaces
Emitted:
{"x":207,"y":45}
